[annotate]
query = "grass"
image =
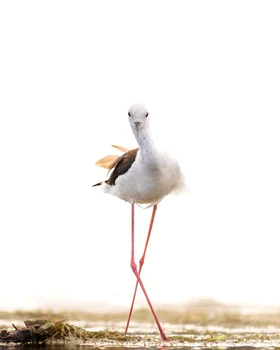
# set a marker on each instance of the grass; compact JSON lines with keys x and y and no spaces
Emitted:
{"x":42,"y":331}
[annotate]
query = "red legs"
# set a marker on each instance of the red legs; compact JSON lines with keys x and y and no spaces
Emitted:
{"x":137,"y":274}
{"x":141,"y":263}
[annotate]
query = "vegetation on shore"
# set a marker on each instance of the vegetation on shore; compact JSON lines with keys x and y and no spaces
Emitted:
{"x":43,"y":326}
{"x":199,"y":315}
{"x":44,"y":331}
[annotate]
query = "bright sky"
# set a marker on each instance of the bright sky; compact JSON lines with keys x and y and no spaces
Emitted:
{"x":209,"y":73}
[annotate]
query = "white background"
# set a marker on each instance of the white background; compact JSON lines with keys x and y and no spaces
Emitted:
{"x":208,"y":72}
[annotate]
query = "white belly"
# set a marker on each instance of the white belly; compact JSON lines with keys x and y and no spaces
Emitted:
{"x":147,"y":184}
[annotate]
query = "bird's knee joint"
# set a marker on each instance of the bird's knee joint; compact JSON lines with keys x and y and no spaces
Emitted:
{"x":133,"y":266}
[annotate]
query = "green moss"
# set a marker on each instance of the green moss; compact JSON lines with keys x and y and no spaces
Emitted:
{"x":216,"y":338}
{"x":182,"y":339}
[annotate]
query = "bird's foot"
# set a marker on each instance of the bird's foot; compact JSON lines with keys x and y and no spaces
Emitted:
{"x":164,"y":338}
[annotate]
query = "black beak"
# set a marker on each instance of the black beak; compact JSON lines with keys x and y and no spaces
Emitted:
{"x":138,"y":124}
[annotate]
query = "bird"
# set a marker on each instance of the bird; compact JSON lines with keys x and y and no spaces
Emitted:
{"x":143,"y":175}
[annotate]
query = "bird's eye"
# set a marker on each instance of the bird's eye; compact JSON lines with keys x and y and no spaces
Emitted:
{"x":129,"y":114}
{"x":147,"y":115}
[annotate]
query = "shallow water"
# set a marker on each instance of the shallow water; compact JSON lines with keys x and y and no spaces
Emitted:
{"x":92,"y":347}
{"x":221,"y":333}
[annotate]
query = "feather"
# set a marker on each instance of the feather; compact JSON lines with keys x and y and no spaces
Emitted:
{"x":107,"y":161}
{"x":121,"y":148}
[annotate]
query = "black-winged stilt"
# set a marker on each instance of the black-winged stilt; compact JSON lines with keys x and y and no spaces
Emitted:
{"x":141,"y":176}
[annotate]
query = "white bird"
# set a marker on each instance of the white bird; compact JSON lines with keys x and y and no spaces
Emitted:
{"x":142,"y":175}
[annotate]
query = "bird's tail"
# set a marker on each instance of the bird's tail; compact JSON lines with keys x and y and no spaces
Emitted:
{"x":98,"y":184}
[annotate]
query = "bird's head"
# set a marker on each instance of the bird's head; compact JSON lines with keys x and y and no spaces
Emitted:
{"x":138,"y":118}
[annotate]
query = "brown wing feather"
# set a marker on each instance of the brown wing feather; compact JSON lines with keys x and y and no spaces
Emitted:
{"x":121,"y":148}
{"x":121,"y":165}
{"x":107,"y":161}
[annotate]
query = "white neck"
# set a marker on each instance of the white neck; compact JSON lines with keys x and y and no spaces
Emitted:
{"x":146,"y":146}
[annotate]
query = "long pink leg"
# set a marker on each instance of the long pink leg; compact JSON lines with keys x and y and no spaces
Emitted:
{"x":141,"y":263}
{"x":136,"y":273}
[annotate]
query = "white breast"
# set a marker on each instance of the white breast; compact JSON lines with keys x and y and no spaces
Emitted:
{"x":148,"y":182}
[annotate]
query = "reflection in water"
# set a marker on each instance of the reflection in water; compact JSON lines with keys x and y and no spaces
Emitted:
{"x":93,"y":347}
